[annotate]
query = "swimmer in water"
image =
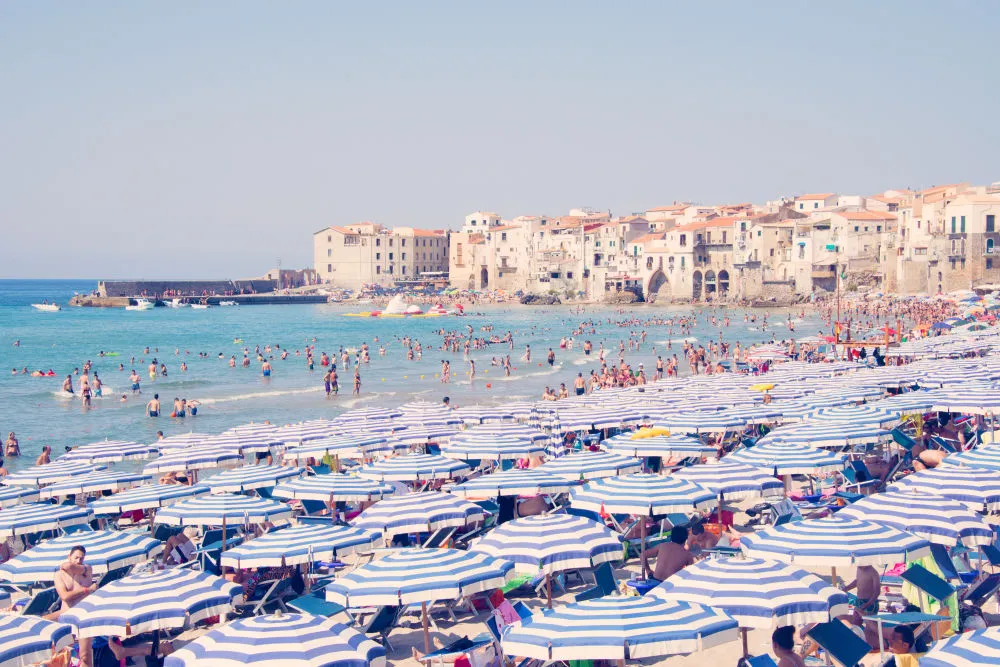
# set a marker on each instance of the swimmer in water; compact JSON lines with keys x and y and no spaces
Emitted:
{"x":153,"y":406}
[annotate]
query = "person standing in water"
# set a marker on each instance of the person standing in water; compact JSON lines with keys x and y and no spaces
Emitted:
{"x":153,"y":407}
{"x":68,"y":384}
{"x":357,"y":381}
{"x":265,"y":368}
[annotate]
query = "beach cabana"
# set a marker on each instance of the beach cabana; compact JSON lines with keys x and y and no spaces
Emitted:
{"x":106,"y":550}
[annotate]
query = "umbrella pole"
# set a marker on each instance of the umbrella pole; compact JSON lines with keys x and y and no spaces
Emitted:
{"x":548,"y":588}
{"x":423,"y":621}
{"x":223,"y":533}
{"x":746,"y":648}
{"x":719,"y":512}
{"x":833,"y":577}
{"x":642,"y":548}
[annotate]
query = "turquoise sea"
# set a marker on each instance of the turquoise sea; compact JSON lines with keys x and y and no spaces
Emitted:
{"x":37,"y":411}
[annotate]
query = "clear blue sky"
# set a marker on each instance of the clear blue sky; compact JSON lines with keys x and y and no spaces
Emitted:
{"x":185,"y":139}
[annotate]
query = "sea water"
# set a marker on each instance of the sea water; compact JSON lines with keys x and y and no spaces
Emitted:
{"x":37,"y":410}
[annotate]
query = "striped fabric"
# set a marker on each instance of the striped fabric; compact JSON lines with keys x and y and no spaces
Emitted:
{"x":414,"y":467}
{"x":244,"y":445}
{"x":305,"y":431}
{"x":514,"y":430}
{"x":699,"y":422}
{"x":281,"y":640}
{"x":193,"y":459}
{"x":482,"y":414}
{"x":551,"y":543}
{"x":834,"y":541}
{"x":352,"y":417}
{"x":426,"y":411}
{"x":422,"y":433}
{"x":409,"y":576}
{"x":513,"y":482}
{"x":853,"y":415}
{"x":172,"y":443}
{"x":154,"y":496}
{"x":34,"y":517}
{"x":298,"y":545}
{"x":970,"y":399}
{"x":986,"y":457}
{"x":619,"y":628}
{"x":50,"y":473}
{"x":969,"y":649}
{"x":818,"y":433}
{"x":161,"y":600}
{"x":734,"y":481}
{"x":591,"y":465}
{"x":481,"y":444}
{"x":246,"y":478}
{"x":104,"y":480}
{"x":418,"y":513}
{"x":934,"y":518}
{"x":643,"y":494}
{"x":788,"y":459}
{"x":106,"y":550}
{"x":214,"y":510}
{"x":671,"y":446}
{"x":344,"y":446}
{"x":27,"y":640}
{"x":757,"y":593}
{"x":109,"y":451}
{"x":16,"y":495}
{"x":336,"y":486}
{"x":974,"y":487}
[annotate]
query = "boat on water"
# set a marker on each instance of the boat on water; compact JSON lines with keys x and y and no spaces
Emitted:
{"x":46,"y":307}
{"x":228,"y":303}
{"x":199,"y":306}
{"x":140,"y":304}
{"x":176,"y":303}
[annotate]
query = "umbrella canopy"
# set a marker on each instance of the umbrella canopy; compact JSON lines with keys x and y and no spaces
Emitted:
{"x":591,"y":465}
{"x":50,"y":473}
{"x":699,"y":422}
{"x":223,"y":508}
{"x":513,"y":482}
{"x":974,"y":487}
{"x":103,"y":480}
{"x":244,"y":445}
{"x":281,"y":640}
{"x":985,"y":457}
{"x":414,"y":467}
{"x":16,"y":495}
{"x":418,"y":513}
{"x":667,"y":446}
{"x":335,"y":487}
{"x":970,"y":399}
{"x":344,"y":446}
{"x":172,"y":443}
{"x":153,"y":496}
{"x":246,"y":478}
{"x":481,"y":444}
{"x":834,"y":541}
{"x":106,"y":550}
{"x":551,"y":543}
{"x":619,"y":628}
{"x":298,"y":545}
{"x":160,"y":600}
{"x":110,"y":451}
{"x":193,"y":459}
{"x":481,"y":414}
{"x":35,"y":517}
{"x":852,"y":415}
{"x":27,"y":640}
{"x":644,"y":494}
{"x":818,"y":433}
{"x":934,"y":518}
{"x":788,"y":459}
{"x":969,"y":649}
{"x":735,"y":481}
{"x":407,"y":576}
{"x":757,"y":593}
{"x":352,"y":417}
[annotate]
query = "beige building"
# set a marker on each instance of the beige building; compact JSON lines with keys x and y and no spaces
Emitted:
{"x":367,"y":253}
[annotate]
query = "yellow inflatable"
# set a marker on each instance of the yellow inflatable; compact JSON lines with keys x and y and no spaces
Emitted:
{"x":762,"y":387}
{"x":653,"y":432}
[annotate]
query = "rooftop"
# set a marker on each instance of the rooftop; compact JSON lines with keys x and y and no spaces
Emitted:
{"x":824,"y":195}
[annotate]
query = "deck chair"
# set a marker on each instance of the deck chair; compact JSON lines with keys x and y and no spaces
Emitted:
{"x":439,"y":538}
{"x":113,"y":575}
{"x":320,"y":469}
{"x":978,"y":595}
{"x":163,"y":532}
{"x":78,"y":528}
{"x":845,"y":647}
{"x":313,"y":507}
{"x":928,"y":582}
{"x":264,"y":492}
{"x":314,"y":602}
{"x":41,"y":603}
{"x":944,"y":562}
{"x":317,"y":520}
{"x":757,"y":661}
{"x":267,"y":597}
{"x":593,"y":516}
{"x":858,"y":477}
{"x":606,"y":584}
{"x":458,"y":647}
{"x":948,"y":445}
{"x":381,"y":624}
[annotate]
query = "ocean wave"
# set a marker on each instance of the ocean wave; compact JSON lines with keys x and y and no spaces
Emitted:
{"x":260,"y":394}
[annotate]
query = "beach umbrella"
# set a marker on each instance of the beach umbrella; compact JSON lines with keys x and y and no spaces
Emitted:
{"x":305,"y":431}
{"x":28,"y":640}
{"x":827,"y":434}
{"x":172,"y":443}
{"x":785,"y":458}
{"x":934,"y":518}
{"x":250,"y":477}
{"x":956,"y":374}
{"x":757,"y":414}
{"x":16,"y":495}
{"x":195,"y":458}
{"x":153,"y":497}
{"x":733,"y":481}
{"x":666,"y":446}
{"x":109,"y":451}
{"x":969,"y":649}
{"x":300,"y":545}
{"x":853,"y":415}
{"x":513,"y":482}
{"x":333,"y":487}
{"x":986,"y":457}
{"x":410,"y":576}
{"x":479,"y":444}
{"x":418,"y":513}
{"x":970,"y":399}
{"x":343,"y":446}
{"x":414,"y":467}
{"x":619,"y":628}
{"x":103,"y":480}
{"x":106,"y":550}
{"x":643,"y":494}
{"x":221,"y":509}
{"x":422,"y":433}
{"x":280,"y":640}
{"x":591,"y":465}
{"x":481,"y":414}
{"x":244,"y":445}
{"x":50,"y":473}
{"x":513,"y":430}
{"x":975,"y":487}
{"x":36,"y":517}
{"x":150,"y":602}
{"x":700,"y":422}
{"x":353,"y":417}
{"x":428,"y":411}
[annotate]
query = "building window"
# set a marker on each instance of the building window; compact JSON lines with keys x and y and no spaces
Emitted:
{"x":378,"y":242}
{"x":352,"y":240}
{"x":772,"y":252}
{"x":378,"y":255}
{"x":390,"y":256}
{"x":329,"y":238}
{"x":743,"y":226}
{"x":503,"y":236}
{"x":963,"y":224}
{"x":878,"y":228}
{"x":404,"y":256}
{"x":329,"y":252}
{"x":329,"y":268}
{"x":758,"y":233}
{"x":989,"y":246}
{"x":682,"y":262}
{"x":856,"y":228}
{"x":378,"y":270}
{"x":683,"y":240}
{"x":390,"y":243}
{"x":801,"y":206}
{"x":952,"y":224}
{"x":723,"y":237}
{"x":569,"y":275}
{"x":390,"y":268}
{"x":816,"y":204}
{"x":989,"y":263}
{"x":404,"y":269}
{"x":402,"y":242}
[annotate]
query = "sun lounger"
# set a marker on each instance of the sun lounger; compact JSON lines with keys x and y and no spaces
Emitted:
{"x":845,"y":647}
{"x":460,"y":647}
{"x":41,"y":603}
{"x":757,"y":661}
{"x":928,"y":582}
{"x":606,"y":584}
{"x":381,"y":624}
{"x":114,"y":575}
{"x":438,"y":538}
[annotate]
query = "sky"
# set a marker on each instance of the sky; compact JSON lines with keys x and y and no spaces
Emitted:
{"x":210,"y":140}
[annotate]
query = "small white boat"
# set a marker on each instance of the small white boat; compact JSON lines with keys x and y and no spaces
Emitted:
{"x":46,"y":307}
{"x":228,"y":303}
{"x":175,"y":303}
{"x":199,"y":306}
{"x":141,"y":304}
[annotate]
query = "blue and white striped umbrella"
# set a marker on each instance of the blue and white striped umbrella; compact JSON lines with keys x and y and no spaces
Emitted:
{"x":344,"y":446}
{"x":513,"y":430}
{"x":669,"y":446}
{"x":956,"y":374}
{"x":251,"y":477}
{"x":418,"y":513}
{"x":934,"y":518}
{"x":757,"y":414}
{"x":106,"y":550}
{"x":110,"y":451}
{"x":970,"y":399}
{"x":757,"y":593}
{"x":423,"y":433}
{"x":160,"y":600}
{"x":103,"y":480}
{"x":298,"y":545}
{"x":215,"y":510}
{"x":172,"y":443}
{"x":834,"y":541}
{"x":974,"y":487}
{"x":285,"y":640}
{"x":244,"y":445}
{"x":513,"y":482}
{"x":16,"y":495}
{"x":352,"y":417}
{"x":619,"y":628}
{"x":969,"y":649}
{"x":643,"y":494}
{"x":907,"y":403}
{"x":588,"y":419}
{"x":479,"y":444}
{"x":28,"y":640}
{"x":483,"y":414}
{"x":827,"y":434}
{"x":409,"y":576}
{"x":700,"y":422}
{"x":801,"y":409}
{"x":785,"y":458}
{"x":50,"y":473}
{"x":252,"y":430}
{"x":426,"y":411}
{"x":146,"y":497}
{"x":315,"y":429}
{"x":986,"y":458}
{"x":333,"y":487}
{"x":193,"y":459}
{"x":36,"y":517}
{"x":733,"y":481}
{"x":551,"y":543}
{"x":414,"y":467}
{"x":853,"y":415}
{"x":591,"y":465}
